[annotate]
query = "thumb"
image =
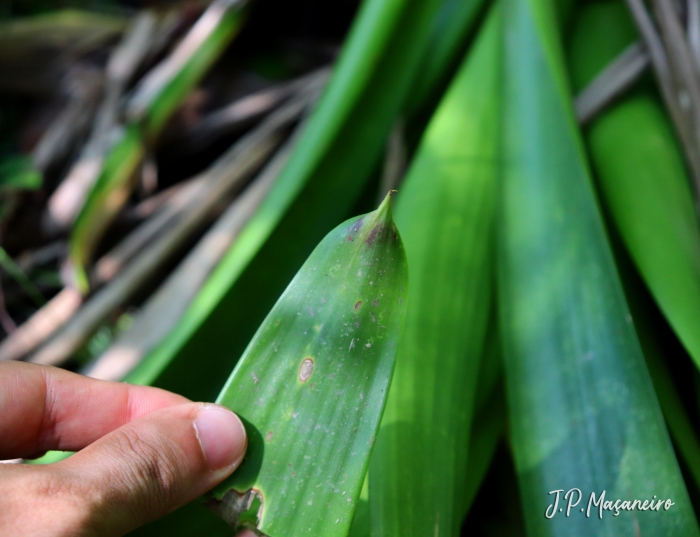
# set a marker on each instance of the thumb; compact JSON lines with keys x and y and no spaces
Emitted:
{"x":155,"y":464}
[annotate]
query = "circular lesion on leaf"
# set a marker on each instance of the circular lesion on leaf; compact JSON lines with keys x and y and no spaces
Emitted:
{"x":306,"y":369}
{"x":358,"y":305}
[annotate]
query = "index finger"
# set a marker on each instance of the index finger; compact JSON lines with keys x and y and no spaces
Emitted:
{"x":47,"y":408}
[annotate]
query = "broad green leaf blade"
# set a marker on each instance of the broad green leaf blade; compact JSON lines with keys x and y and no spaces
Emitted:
{"x":650,"y":326}
{"x":643,"y":181}
{"x":324,"y":177}
{"x":583,"y":410}
{"x":313,"y":382}
{"x":153,"y":103}
{"x":487,"y":430}
{"x":445,"y":211}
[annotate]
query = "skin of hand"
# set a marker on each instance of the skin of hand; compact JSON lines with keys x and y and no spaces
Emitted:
{"x":142,"y":452}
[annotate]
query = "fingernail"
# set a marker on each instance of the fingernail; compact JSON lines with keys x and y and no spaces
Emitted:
{"x":221,"y":435}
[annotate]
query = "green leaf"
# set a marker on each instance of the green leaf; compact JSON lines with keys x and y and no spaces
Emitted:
{"x":16,"y":173}
{"x":649,"y":325}
{"x":445,"y":211}
{"x":643,"y":182}
{"x":448,"y":37}
{"x":641,"y":175}
{"x":602,"y":31}
{"x":325,"y":175}
{"x":361,"y":520}
{"x":583,"y":410}
{"x":313,"y":382}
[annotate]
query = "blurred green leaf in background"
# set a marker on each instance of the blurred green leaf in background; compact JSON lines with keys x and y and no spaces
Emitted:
{"x":583,"y":411}
{"x":446,"y":213}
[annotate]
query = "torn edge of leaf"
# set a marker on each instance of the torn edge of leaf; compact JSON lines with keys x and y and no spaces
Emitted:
{"x":239,"y":510}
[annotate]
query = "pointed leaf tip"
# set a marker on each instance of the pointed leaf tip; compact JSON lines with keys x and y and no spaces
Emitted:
{"x":327,"y":349}
{"x":377,"y":226}
{"x":386,"y":201}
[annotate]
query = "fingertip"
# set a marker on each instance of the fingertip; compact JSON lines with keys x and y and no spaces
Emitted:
{"x":221,"y":436}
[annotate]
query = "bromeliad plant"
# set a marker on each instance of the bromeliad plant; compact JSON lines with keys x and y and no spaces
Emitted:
{"x":553,"y":268}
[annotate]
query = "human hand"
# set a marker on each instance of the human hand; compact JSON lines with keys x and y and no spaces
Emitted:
{"x":144,"y":452}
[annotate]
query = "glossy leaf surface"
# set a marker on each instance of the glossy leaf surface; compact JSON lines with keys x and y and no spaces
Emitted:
{"x":641,"y":174}
{"x":445,"y":210}
{"x":583,"y":411}
{"x":313,"y":382}
{"x":653,"y":333}
{"x":643,"y":181}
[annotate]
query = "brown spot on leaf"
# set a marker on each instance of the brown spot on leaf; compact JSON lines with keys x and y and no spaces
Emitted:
{"x":268,"y":437}
{"x":374,"y":233}
{"x":358,"y":305}
{"x":306,"y":369}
